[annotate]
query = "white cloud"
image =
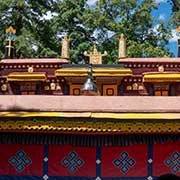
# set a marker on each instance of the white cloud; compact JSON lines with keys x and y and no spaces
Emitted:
{"x":35,"y":47}
{"x":155,"y":28}
{"x":160,"y":1}
{"x":162,"y":17}
{"x":49,"y":15}
{"x":91,"y":2}
{"x":174,"y":36}
{"x":110,"y":33}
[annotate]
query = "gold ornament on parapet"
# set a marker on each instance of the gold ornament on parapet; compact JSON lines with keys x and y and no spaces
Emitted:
{"x":30,"y":69}
{"x":161,"y":69}
{"x":95,"y":57}
{"x":10,"y":33}
{"x":4,"y":87}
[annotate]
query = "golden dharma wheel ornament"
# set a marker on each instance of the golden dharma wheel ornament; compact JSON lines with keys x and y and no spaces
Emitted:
{"x":95,"y":57}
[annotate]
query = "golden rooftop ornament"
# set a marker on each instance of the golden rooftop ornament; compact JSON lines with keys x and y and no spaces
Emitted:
{"x":95,"y":57}
{"x":10,"y":30}
{"x":122,"y":47}
{"x":178,"y":29}
{"x":65,"y":47}
{"x":178,"y":33}
{"x":10,"y":33}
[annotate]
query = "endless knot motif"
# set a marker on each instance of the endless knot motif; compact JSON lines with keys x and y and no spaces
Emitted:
{"x":124,"y":163}
{"x":72,"y":162}
{"x":173,"y":162}
{"x":20,"y":160}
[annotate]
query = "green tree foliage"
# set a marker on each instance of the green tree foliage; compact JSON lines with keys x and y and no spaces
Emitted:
{"x":102,"y":24}
{"x":71,"y":18}
{"x":176,"y":13}
{"x":145,"y":36}
{"x":26,"y":16}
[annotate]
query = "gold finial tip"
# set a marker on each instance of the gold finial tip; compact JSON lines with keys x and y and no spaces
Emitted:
{"x":95,"y":49}
{"x":65,"y":36}
{"x":11,"y":29}
{"x":122,"y":36}
{"x":178,"y":29}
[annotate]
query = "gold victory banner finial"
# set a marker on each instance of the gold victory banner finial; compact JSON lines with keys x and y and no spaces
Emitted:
{"x":65,"y":47}
{"x":10,"y":34}
{"x":122,"y":47}
{"x":95,"y":57}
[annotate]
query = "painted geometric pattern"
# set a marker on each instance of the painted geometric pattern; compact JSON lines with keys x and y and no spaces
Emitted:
{"x":173,"y":162}
{"x":72,"y":162}
{"x":20,"y":161}
{"x":140,"y":161}
{"x":124,"y":163}
{"x":166,"y":158}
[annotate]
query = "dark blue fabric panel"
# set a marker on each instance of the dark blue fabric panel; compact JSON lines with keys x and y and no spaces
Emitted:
{"x":20,"y":178}
{"x":98,"y":166}
{"x":150,"y":154}
{"x":46,"y":162}
{"x":68,"y":178}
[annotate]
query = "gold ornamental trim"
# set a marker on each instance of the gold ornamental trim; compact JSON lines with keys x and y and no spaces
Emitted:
{"x":27,"y":77}
{"x":161,"y":77}
{"x":120,"y":116}
{"x":96,"y":72}
{"x":89,"y":127}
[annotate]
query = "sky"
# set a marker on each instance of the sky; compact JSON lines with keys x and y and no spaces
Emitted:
{"x":163,"y":13}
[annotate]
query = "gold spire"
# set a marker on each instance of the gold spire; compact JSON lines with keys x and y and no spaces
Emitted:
{"x":9,"y":48}
{"x":65,"y":47}
{"x":10,"y":32}
{"x":95,"y":57}
{"x":178,"y":31}
{"x":122,"y":47}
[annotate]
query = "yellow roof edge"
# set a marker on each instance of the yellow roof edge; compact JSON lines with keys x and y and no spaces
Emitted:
{"x":162,"y":77}
{"x":27,"y":77}
{"x":123,"y":116}
{"x":96,"y":72}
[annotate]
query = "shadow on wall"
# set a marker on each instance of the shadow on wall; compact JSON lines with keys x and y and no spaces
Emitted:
{"x":168,"y":177}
